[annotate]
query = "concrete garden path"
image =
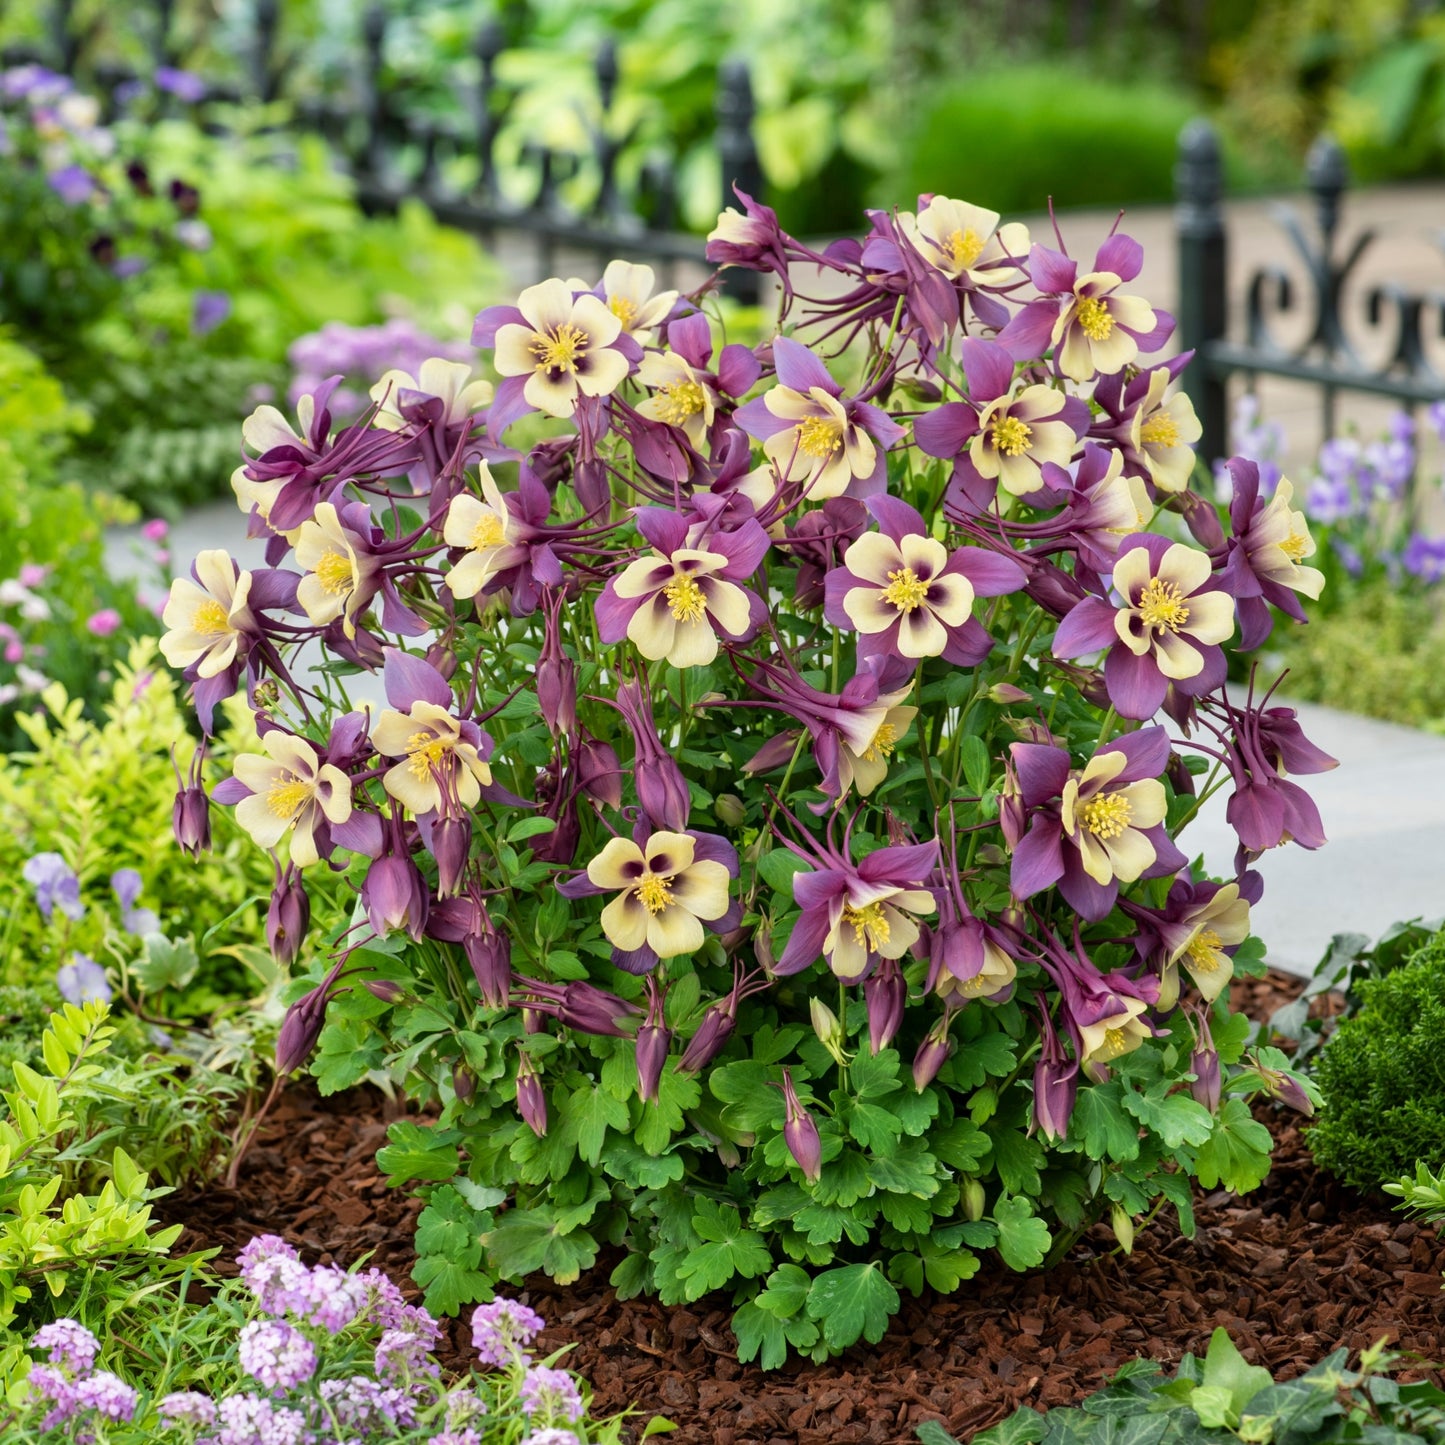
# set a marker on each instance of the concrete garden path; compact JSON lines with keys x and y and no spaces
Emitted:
{"x":1383,"y":807}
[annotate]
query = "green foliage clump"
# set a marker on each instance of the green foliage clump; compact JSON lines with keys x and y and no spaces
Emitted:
{"x":1383,"y":655}
{"x":1003,"y":138}
{"x":1383,"y":1077}
{"x":53,"y":1234}
{"x":1222,"y":1398}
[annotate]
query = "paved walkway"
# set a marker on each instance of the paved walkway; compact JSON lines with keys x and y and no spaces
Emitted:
{"x":1383,"y":807}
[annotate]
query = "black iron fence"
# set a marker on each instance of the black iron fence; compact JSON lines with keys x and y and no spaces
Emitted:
{"x":565,"y":203}
{"x":1395,"y":362}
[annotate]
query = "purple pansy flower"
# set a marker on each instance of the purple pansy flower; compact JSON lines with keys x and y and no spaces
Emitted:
{"x":55,"y":885}
{"x":82,"y":981}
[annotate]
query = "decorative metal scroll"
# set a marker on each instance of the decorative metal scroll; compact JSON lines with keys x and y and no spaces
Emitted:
{"x":1328,"y":356}
{"x":395,"y":153}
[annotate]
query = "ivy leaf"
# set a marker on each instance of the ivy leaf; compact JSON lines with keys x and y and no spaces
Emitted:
{"x":1236,"y":1154}
{"x":855,"y":1300}
{"x":1176,"y":1118}
{"x":765,"y":1337}
{"x":728,"y":1249}
{"x":1023,"y":1240}
{"x":1024,"y":1427}
{"x":1099,"y":1119}
{"x":593,"y":1110}
{"x":526,"y":1240}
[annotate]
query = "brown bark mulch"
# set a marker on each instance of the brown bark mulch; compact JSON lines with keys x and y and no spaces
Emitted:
{"x":1295,"y":1269}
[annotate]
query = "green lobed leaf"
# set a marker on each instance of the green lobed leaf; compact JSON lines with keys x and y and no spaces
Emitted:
{"x":1237,"y":1152}
{"x":852,"y":1302}
{"x":1099,"y":1120}
{"x":1023,"y":1239}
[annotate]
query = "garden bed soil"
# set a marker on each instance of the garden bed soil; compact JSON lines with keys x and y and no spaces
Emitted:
{"x":1300,"y":1266}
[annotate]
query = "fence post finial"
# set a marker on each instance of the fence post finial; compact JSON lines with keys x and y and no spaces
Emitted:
{"x":264,"y":72}
{"x":1203,"y":306}
{"x":1328,"y":172}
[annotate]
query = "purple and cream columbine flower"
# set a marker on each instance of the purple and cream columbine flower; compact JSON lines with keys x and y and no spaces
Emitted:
{"x":491,"y":536}
{"x":1264,"y":746}
{"x":1098,"y":330}
{"x":665,"y":892}
{"x":555,"y":348}
{"x":1093,"y":828}
{"x":751,"y":238}
{"x":289,"y":790}
{"x":1103,"y":505}
{"x":444,"y":758}
{"x":1104,"y":1013}
{"x":1001,"y":435}
{"x":1266,"y":556}
{"x":1167,"y":430}
{"x":902,"y":592}
{"x":675,"y":603}
{"x":341,"y":572}
{"x":398,"y":393}
{"x":856,"y":915}
{"x":208,"y":618}
{"x":627,"y":290}
{"x":1166,"y":628}
{"x":967,"y":243}
{"x":1201,"y":928}
{"x":814,"y":435}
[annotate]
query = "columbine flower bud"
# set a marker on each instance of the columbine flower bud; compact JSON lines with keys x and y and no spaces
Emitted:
{"x":932,"y":1054}
{"x":384,"y":989}
{"x":828,"y":1029}
{"x":490,"y":955}
{"x":288,"y":917}
{"x":1056,"y":1086}
{"x":394,"y":896}
{"x":451,"y":840}
{"x":800,"y":1133}
{"x":441,"y":657}
{"x":302,"y":1025}
{"x":1207,"y":1085}
{"x":556,"y":677}
{"x":1005,"y":693}
{"x":1280,"y":1086}
{"x":654,"y":1039}
{"x":974,"y":1200}
{"x":599,"y":774}
{"x":592,"y":1010}
{"x":531,"y":1100}
{"x":711,"y":1037}
{"x":730,"y":809}
{"x":886,"y":993}
{"x":464,"y":1082}
{"x":1123,"y":1228}
{"x":662,"y":791}
{"x":191,"y":813}
{"x":590,"y":482}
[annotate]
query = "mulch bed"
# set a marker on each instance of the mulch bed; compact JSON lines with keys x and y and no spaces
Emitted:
{"x":1295,"y":1269}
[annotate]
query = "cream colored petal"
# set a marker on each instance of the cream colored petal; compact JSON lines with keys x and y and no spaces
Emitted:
{"x":606,"y":371}
{"x":1148,"y":803}
{"x":217,"y":575}
{"x":849,"y":957}
{"x":1175,"y":658}
{"x":644,"y":577}
{"x":1113,"y":353}
{"x":1094,"y":856}
{"x":1186,"y":567}
{"x":923,"y":554}
{"x":950,"y":599}
{"x":469,"y":576}
{"x":255,"y":815}
{"x":303,"y":839}
{"x":1211,"y":616}
{"x":1133,"y":312}
{"x":548,"y":305}
{"x":334,"y":796}
{"x":392,"y":733}
{"x":1100,"y":771}
{"x":1074,"y":357}
{"x":1129,"y":854}
{"x":554,"y":397}
{"x":266,"y":428}
{"x":256,"y":772}
{"x":921,"y":634}
{"x":605,"y":870}
{"x":867,"y":610}
{"x":694,"y":644}
{"x":419,"y":795}
{"x":219,"y":658}
{"x":728,"y":604}
{"x":320,"y":605}
{"x":672,"y":932}
{"x":513,"y":354}
{"x":902,"y":933}
{"x":651,"y":630}
{"x":872,"y":557}
{"x":1131,"y":573}
{"x":1138,"y":642}
{"x":625,"y":922}
{"x":1018,"y":475}
{"x":789,"y":405}
{"x":669,"y":852}
{"x":464,"y":516}
{"x":594,"y":317}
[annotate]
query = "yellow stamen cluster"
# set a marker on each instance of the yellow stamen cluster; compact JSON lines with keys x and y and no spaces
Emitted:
{"x":1114,"y":1044}
{"x":1161,"y":606}
{"x":286,"y":795}
{"x":1296,"y":546}
{"x":560,"y":349}
{"x":210,"y":620}
{"x":905,"y":590}
{"x":1094,"y":319}
{"x":819,"y":437}
{"x":334,"y":573}
{"x":491,"y":531}
{"x":885,"y":740}
{"x":964,"y":247}
{"x":1106,"y":815}
{"x":655,"y":893}
{"x":624,"y":309}
{"x":869,"y":926}
{"x":1161,"y":430}
{"x":1012,"y":436}
{"x":1204,"y":951}
{"x":426,"y":751}
{"x":678,"y":400}
{"x":685,"y":598}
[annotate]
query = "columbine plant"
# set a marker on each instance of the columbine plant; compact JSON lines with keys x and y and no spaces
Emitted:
{"x":320,"y":1355}
{"x":767,"y":852}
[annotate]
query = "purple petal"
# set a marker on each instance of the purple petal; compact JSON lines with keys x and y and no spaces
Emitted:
{"x":1167,"y":858}
{"x":1151,"y":341}
{"x":798,"y":368}
{"x":1090,"y":900}
{"x":614,"y":613}
{"x":579,"y":887}
{"x":944,"y":431}
{"x":895,"y":518}
{"x":805,"y":945}
{"x":508,"y":404}
{"x":490,"y":321}
{"x":664,"y":528}
{"x":272,"y":588}
{"x":1052,"y":271}
{"x":813,"y":891}
{"x":360,"y":833}
{"x":904,"y":862}
{"x":738,"y":369}
{"x":410,"y":680}
{"x":758,"y":422}
{"x":1122,"y":255}
{"x":691,"y":338}
{"x":990,"y":574}
{"x":229,"y":792}
{"x":1027,"y":335}
{"x":745,"y":548}
{"x":1042,"y":771}
{"x":968,"y":644}
{"x":711,"y":848}
{"x":1038,"y":860}
{"x":1136,"y":686}
{"x":1088,"y":627}
{"x":877,"y":423}
{"x":989,"y":368}
{"x":1146,"y":750}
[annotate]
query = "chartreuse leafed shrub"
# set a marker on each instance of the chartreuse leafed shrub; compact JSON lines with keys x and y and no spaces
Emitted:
{"x":1382,"y":1075}
{"x":1222,"y":1398}
{"x":64,"y":1245}
{"x":771,"y":852}
{"x":287,"y":1354}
